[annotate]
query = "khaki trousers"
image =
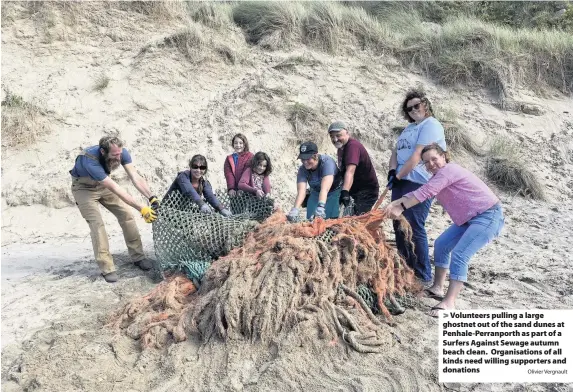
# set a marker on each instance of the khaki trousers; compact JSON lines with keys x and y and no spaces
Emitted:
{"x":89,"y":194}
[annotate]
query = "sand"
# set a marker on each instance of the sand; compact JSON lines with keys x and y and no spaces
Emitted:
{"x":167,"y":108}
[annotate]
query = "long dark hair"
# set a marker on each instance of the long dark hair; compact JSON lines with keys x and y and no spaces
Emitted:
{"x":259,"y":157}
{"x":243,"y":138}
{"x":198,"y":160}
{"x":416,"y":94}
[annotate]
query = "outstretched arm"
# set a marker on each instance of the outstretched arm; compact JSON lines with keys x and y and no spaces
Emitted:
{"x":396,"y":208}
{"x":138,"y":181}
{"x":123,"y":195}
{"x":325,"y":185}
{"x":300,"y":195}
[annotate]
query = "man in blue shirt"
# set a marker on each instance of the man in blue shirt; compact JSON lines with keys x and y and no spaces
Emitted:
{"x":320,"y":172}
{"x":92,"y":186}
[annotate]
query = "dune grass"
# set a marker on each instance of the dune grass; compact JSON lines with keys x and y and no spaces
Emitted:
{"x":473,"y":52}
{"x":461,"y":50}
{"x":23,"y":123}
{"x":215,"y":15}
{"x":457,"y":137}
{"x":505,"y":167}
{"x":101,"y":83}
{"x":272,"y":25}
{"x":307,"y":123}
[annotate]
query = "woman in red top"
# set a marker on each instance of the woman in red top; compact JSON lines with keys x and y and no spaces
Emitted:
{"x":237,"y":162}
{"x":255,"y":179}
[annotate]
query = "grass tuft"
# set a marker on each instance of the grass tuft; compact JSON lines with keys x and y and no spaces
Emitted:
{"x":505,"y":168}
{"x":292,"y":62}
{"x":214,"y":15}
{"x":189,"y":42}
{"x":273,"y":25}
{"x":101,"y":83}
{"x":457,"y":137}
{"x":23,"y":123}
{"x":307,"y":123}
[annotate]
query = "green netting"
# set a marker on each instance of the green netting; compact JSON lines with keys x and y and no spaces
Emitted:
{"x":187,"y":240}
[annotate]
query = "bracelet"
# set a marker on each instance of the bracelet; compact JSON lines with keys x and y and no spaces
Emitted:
{"x":403,"y":206}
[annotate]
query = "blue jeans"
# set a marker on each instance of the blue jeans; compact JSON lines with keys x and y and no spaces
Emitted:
{"x":455,"y":246}
{"x":331,"y":208}
{"x":418,"y":258}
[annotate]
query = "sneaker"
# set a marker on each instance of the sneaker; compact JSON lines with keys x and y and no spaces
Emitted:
{"x":111,"y":277}
{"x":144,"y":264}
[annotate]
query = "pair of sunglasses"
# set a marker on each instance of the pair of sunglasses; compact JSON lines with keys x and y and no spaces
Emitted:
{"x":413,"y":107}
{"x":198,"y":167}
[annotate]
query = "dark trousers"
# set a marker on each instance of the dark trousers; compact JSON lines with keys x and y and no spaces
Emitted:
{"x":418,"y":258}
{"x":364,"y":200}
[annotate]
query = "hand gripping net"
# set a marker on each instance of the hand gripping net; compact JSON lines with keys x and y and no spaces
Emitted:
{"x":188,"y":240}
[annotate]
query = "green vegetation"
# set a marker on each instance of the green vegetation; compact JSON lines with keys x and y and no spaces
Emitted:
{"x":505,"y":168}
{"x":457,"y":137}
{"x":22,"y":122}
{"x":307,"y":123}
{"x":454,"y":42}
{"x":101,"y":82}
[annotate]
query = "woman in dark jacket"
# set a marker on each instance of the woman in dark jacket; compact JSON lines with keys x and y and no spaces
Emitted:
{"x":192,"y":183}
{"x":237,"y":162}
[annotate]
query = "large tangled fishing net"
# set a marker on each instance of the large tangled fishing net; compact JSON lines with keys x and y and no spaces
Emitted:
{"x":187,"y":240}
{"x":323,"y":276}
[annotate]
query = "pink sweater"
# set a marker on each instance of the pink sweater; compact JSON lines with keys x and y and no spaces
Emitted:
{"x":246,"y":183}
{"x":462,"y":194}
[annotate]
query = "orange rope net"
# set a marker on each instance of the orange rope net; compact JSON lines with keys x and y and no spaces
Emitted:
{"x":283,"y":276}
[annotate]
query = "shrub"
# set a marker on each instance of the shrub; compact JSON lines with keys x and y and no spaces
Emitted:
{"x":272,"y":25}
{"x":213,"y":15}
{"x":505,"y":168}
{"x":306,"y":123}
{"x":457,"y":137}
{"x":22,"y":123}
{"x":101,"y":82}
{"x":189,"y":42}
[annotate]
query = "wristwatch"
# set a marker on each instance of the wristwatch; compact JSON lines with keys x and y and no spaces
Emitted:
{"x":403,"y":206}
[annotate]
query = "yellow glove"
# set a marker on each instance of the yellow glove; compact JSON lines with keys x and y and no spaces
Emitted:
{"x":148,"y":214}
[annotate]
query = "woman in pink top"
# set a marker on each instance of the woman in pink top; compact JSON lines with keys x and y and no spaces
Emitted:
{"x":236,"y":163}
{"x":475,"y":211}
{"x":255,"y":179}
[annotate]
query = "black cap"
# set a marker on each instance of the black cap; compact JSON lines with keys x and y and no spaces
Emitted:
{"x":307,"y":150}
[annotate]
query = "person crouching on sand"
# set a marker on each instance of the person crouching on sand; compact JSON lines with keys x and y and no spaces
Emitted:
{"x":320,"y":172}
{"x":475,"y":211}
{"x":255,"y":179}
{"x":192,"y":183}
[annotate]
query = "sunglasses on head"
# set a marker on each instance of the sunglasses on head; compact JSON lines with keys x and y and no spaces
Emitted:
{"x":199,"y":167}
{"x":413,"y":107}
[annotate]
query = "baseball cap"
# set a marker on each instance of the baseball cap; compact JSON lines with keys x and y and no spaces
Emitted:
{"x":337,"y":126}
{"x":307,"y":150}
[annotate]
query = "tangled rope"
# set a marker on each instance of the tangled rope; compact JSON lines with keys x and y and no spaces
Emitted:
{"x":283,"y":276}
